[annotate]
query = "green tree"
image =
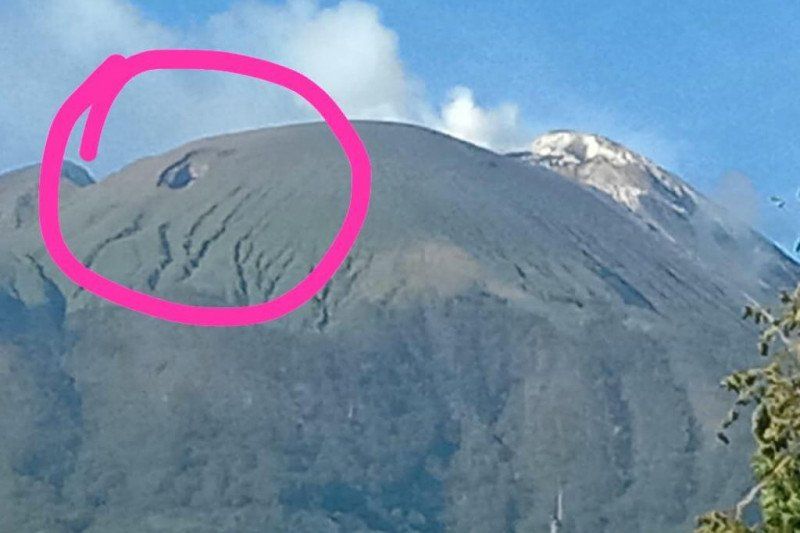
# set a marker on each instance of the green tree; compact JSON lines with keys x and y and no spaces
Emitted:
{"x":773,"y":391}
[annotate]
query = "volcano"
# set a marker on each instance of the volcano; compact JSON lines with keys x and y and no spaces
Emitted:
{"x":509,"y":330}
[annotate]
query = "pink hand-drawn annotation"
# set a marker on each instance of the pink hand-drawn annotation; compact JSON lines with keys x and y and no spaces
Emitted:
{"x":97,"y":94}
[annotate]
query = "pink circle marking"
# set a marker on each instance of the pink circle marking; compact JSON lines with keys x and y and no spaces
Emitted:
{"x":97,"y":94}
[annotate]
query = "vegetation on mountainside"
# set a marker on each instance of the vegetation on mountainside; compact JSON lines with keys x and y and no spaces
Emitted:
{"x":773,"y":391}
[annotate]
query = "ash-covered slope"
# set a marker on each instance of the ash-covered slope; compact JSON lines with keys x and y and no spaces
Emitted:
{"x":499,"y":333}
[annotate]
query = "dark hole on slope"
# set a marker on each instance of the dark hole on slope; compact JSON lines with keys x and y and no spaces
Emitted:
{"x":181,"y":173}
{"x":177,"y":176}
{"x":77,"y":174}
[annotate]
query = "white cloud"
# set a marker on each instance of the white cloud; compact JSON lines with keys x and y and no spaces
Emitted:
{"x":49,"y":47}
{"x":346,"y":49}
{"x":497,"y":127}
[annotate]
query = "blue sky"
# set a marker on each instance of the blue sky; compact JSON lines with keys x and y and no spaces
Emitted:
{"x":704,"y":88}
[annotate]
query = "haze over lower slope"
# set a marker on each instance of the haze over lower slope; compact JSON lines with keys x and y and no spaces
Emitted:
{"x":500,"y":332}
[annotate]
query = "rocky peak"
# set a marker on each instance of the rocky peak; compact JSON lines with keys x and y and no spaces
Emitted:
{"x":622,"y":174}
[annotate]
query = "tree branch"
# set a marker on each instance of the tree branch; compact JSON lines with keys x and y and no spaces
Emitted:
{"x":753,"y":492}
{"x":766,"y":314}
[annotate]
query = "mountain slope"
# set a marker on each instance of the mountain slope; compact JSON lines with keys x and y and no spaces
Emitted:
{"x":499,"y":333}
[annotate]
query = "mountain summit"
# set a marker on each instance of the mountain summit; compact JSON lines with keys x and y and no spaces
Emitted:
{"x":500,"y":336}
{"x":613,"y":169}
